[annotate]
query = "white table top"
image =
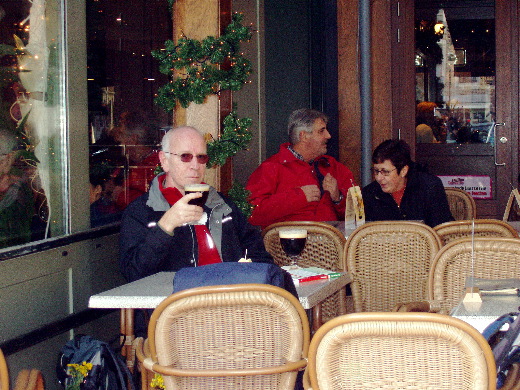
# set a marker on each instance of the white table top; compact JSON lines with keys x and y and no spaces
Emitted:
{"x":148,"y":292}
{"x":493,"y":306}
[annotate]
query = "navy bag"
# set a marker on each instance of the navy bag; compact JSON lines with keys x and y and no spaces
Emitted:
{"x":232,"y":273}
{"x":502,"y":343}
{"x":109,"y":370}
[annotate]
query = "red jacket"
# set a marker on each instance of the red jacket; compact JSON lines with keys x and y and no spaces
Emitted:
{"x":277,"y":196}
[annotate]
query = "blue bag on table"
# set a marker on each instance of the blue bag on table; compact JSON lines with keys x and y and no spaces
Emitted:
{"x":233,"y":273}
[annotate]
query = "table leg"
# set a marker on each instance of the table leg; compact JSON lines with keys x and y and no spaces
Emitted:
{"x":316,"y":318}
{"x":128,"y":336}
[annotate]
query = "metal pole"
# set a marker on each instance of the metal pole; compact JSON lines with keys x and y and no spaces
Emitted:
{"x":365,"y":90}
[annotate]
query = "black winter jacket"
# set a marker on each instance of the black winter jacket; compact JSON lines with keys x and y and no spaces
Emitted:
{"x":146,"y":249}
{"x":424,"y":199}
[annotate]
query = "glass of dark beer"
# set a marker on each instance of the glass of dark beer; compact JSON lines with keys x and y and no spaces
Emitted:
{"x":202,"y":188}
{"x":293,"y":242}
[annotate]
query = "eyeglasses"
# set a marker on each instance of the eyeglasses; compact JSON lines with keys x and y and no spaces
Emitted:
{"x":187,"y":157}
{"x":384,"y":172}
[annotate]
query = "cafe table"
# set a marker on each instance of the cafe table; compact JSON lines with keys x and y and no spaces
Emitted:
{"x":492,"y":307}
{"x":148,"y":292}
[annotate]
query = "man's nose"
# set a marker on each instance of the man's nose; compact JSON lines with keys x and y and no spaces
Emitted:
{"x":327,"y":135}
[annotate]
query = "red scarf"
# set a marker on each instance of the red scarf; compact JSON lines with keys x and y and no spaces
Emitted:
{"x":208,"y":253}
{"x":398,"y":196}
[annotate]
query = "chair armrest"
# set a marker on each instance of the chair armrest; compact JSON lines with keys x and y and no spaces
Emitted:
{"x":421,"y":306}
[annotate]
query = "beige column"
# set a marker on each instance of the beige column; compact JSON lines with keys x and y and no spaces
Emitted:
{"x":197,"y":19}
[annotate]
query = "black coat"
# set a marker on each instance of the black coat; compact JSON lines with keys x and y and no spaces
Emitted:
{"x":146,"y":249}
{"x":424,"y":199}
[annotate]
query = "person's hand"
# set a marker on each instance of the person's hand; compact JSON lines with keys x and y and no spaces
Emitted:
{"x":331,"y":184}
{"x":312,"y":192}
{"x":181,"y":212}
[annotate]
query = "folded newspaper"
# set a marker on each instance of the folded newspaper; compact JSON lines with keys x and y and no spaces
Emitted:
{"x":308,"y":274}
{"x":495,"y":286}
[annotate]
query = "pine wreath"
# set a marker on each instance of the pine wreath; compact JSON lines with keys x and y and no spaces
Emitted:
{"x":200,"y":68}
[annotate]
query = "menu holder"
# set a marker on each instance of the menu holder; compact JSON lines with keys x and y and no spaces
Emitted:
{"x":354,"y":208}
{"x":472,"y":300}
{"x":309,"y":274}
{"x":513,"y":203}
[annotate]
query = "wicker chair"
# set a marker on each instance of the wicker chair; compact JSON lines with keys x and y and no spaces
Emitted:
{"x":399,"y":351}
{"x":389,"y":262}
{"x":4,"y":373}
{"x":491,"y":258}
{"x":324,"y":248}
{"x":244,"y":336}
{"x":26,"y":379}
{"x":462,"y":205}
{"x":453,"y":230}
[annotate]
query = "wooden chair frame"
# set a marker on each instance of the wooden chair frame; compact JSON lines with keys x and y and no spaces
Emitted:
{"x":376,"y":249}
{"x":327,"y":254}
{"x":464,"y":198}
{"x":382,"y":327}
{"x":229,"y":295}
{"x":449,"y":231}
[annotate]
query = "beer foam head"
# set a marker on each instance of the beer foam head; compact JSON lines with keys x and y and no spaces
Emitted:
{"x":293,"y":233}
{"x":196,"y":187}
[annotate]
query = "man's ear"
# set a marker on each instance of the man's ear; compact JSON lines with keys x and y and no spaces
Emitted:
{"x":404,"y":171}
{"x":303,"y":136}
{"x":163,"y":159}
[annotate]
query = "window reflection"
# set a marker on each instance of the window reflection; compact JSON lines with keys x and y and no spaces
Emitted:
{"x":125,"y":126}
{"x":31,"y":112}
{"x":455,"y":76}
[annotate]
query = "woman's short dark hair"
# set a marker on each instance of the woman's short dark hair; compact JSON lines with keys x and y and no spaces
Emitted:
{"x":395,"y":150}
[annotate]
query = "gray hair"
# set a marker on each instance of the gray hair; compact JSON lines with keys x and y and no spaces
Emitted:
{"x":303,"y":120}
{"x":165,"y":143}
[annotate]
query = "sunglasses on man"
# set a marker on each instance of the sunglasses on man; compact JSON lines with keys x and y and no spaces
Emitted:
{"x":187,"y":157}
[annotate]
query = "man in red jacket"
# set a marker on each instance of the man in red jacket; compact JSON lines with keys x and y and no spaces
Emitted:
{"x":300,"y":182}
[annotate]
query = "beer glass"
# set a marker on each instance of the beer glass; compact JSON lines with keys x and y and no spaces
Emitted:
{"x":293,"y":242}
{"x":202,"y":188}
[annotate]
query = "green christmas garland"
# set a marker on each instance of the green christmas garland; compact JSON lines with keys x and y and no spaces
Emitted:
{"x":201,"y":68}
{"x":235,"y":136}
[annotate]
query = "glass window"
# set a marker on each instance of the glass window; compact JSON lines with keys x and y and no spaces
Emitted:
{"x":455,"y":75}
{"x":32,"y":122}
{"x":124,"y":123}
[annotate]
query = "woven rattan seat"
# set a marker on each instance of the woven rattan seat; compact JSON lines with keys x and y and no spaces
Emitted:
{"x":389,"y":262}
{"x":244,"y":336}
{"x":399,"y":351}
{"x":4,"y":373}
{"x":462,"y":205}
{"x":324,"y":248}
{"x":494,"y":258}
{"x":454,"y":230}
{"x":26,"y":380}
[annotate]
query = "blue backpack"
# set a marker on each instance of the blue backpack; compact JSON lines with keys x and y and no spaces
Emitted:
{"x":502,"y":343}
{"x":108,"y":372}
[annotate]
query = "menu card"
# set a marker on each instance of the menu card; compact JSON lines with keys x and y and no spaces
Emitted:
{"x":308,"y":274}
{"x":354,"y":208}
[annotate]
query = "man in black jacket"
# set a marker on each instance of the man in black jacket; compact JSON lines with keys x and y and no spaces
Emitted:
{"x":401,"y":192}
{"x":159,"y":230}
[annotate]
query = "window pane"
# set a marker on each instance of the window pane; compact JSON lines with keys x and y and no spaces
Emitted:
{"x":455,"y":74}
{"x":32,"y":159}
{"x":123,"y":78}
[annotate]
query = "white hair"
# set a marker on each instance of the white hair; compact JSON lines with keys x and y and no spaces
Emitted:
{"x":165,"y":143}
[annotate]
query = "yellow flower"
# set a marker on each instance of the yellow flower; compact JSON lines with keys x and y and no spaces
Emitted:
{"x":157,"y":381}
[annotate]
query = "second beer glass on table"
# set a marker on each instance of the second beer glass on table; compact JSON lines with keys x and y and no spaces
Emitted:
{"x":293,"y":242}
